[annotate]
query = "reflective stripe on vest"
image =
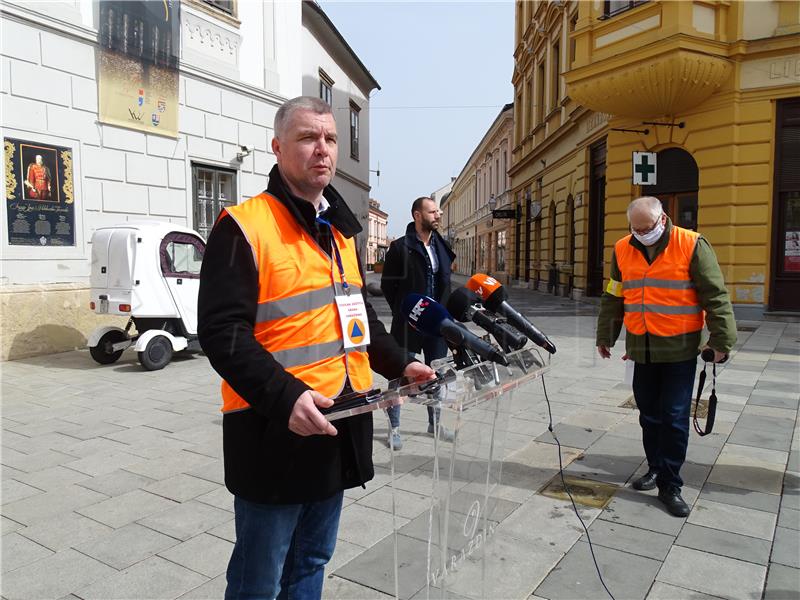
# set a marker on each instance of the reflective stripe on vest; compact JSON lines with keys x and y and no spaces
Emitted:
{"x":660,"y":298}
{"x":297,"y":319}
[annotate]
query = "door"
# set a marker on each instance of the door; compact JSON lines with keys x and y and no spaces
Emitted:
{"x":785,"y":269}
{"x":597,"y":219}
{"x":528,"y":225}
{"x":677,"y":186}
{"x":181,"y":257}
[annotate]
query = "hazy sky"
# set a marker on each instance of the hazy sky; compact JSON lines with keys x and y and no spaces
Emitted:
{"x":445,"y":73}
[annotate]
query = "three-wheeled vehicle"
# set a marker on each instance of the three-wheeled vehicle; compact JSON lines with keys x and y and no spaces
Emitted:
{"x":149,"y":271}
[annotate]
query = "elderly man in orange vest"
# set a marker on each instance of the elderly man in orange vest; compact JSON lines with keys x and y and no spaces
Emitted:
{"x":284,"y":320}
{"x":665,"y":285}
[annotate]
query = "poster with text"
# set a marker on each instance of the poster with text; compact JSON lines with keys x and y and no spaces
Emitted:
{"x":40,"y":203}
{"x":138,"y":71}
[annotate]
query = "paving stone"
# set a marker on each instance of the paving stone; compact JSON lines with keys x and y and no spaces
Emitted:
{"x":783,"y":583}
{"x":205,"y":554}
{"x":637,"y":509}
{"x":10,"y":526}
{"x":126,"y":508}
{"x":664,"y":591}
{"x":363,"y":526}
{"x":126,"y":546}
{"x":789,"y":518}
{"x":374,"y":568}
{"x":54,"y":477}
{"x":18,"y":551}
{"x":602,"y":468}
{"x":54,"y":576}
{"x":725,"y":543}
{"x":103,"y":464}
{"x":740,"y":497}
{"x":786,"y":547}
{"x":64,"y":531}
{"x":793,"y":464}
{"x":211,"y":590}
{"x":154,"y":578}
{"x":116,"y":483}
{"x":572,"y":436}
{"x":181,"y":487}
{"x":620,"y":447}
{"x":226,"y":531}
{"x":51,"y":503}
{"x":776,"y":386}
{"x":336,"y":588}
{"x":633,"y":540}
{"x":406,"y":504}
{"x":734,"y":519}
{"x":712,"y":574}
{"x":219,"y":497}
{"x":14,"y":490}
{"x":186,"y":520}
{"x":626,"y":575}
{"x":167,"y":466}
{"x":758,"y":398}
{"x":754,"y":478}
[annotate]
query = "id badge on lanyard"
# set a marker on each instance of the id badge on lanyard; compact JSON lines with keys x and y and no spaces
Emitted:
{"x":352,"y":309}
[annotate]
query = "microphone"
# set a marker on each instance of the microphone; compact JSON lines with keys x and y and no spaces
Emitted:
{"x":495,"y":299}
{"x":466,"y":305}
{"x":431,"y":318}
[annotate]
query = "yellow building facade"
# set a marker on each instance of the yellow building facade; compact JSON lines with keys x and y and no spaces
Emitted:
{"x":712,"y":89}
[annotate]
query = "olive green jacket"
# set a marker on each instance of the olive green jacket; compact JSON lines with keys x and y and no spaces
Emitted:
{"x":714,"y":299}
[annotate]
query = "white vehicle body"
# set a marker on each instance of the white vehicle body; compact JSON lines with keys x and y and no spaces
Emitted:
{"x":150,"y":271}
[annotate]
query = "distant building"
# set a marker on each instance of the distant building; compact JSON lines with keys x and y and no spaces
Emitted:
{"x":377,"y":244}
{"x":332,"y":71}
{"x":480,"y":241}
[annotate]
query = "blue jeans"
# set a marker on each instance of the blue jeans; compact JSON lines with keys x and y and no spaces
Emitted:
{"x":432,"y":348}
{"x":663,"y":393}
{"x":281,"y":549}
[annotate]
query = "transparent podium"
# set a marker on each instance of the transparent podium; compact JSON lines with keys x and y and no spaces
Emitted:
{"x":445,"y":551}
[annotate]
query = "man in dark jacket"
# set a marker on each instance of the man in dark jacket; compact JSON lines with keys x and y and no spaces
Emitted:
{"x":286,"y":465}
{"x":419,"y":262}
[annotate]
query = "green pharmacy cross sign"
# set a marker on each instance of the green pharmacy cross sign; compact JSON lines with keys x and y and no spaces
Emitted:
{"x":644,"y":168}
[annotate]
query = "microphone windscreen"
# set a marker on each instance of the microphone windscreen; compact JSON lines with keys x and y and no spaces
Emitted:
{"x":423,"y":313}
{"x":459,"y":302}
{"x":485,"y":286}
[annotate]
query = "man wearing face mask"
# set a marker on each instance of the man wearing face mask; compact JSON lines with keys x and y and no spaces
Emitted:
{"x":665,"y":285}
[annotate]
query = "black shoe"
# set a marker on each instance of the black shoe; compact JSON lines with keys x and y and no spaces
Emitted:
{"x":674,"y":503}
{"x":646,"y":481}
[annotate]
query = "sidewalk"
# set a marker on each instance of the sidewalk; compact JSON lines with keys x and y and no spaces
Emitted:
{"x":113,"y":485}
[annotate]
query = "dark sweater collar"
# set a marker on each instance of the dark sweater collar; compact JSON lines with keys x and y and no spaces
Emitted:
{"x":338,"y":214}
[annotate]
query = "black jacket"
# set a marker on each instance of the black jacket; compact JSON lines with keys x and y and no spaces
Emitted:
{"x":264,"y":461}
{"x":407,"y":269}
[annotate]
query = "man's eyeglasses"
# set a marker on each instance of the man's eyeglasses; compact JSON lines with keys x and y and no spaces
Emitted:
{"x":649,"y":229}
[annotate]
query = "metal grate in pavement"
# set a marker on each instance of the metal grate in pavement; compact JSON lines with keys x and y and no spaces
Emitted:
{"x":585,"y":492}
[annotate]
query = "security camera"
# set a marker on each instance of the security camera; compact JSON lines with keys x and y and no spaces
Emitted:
{"x":244,"y":151}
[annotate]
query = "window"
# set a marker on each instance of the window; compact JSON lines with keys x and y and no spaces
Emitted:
{"x":555,"y":64}
{"x":214,"y":189}
{"x":325,"y":87}
{"x":573,"y":24}
{"x":354,"y":110}
{"x":181,"y":255}
{"x":540,"y":97}
{"x":614,"y":7}
{"x":226,"y":6}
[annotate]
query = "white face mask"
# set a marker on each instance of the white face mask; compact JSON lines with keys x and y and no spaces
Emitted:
{"x":652,"y":237}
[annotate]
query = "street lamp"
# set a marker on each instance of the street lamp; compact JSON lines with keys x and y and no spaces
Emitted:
{"x":492,"y":205}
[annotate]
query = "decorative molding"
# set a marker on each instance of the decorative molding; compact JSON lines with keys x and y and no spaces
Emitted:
{"x":202,"y":40}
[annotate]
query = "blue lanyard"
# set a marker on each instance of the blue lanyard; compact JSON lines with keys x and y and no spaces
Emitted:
{"x":336,"y":254}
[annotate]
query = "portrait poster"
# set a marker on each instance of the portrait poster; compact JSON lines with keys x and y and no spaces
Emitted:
{"x":40,"y":202}
{"x":138,"y":65}
{"x":791,"y":252}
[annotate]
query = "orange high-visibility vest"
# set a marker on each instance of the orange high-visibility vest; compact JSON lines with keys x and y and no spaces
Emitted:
{"x":660,"y":298}
{"x":297,"y":319}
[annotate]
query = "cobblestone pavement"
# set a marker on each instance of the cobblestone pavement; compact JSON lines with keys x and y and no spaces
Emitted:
{"x":112,"y":483}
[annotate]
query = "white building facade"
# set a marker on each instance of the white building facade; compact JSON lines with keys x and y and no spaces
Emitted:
{"x":239,"y":61}
{"x":377,"y":244}
{"x":333,"y":72}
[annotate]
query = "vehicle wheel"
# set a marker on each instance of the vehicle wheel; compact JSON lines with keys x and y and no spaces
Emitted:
{"x":156,"y":354}
{"x":103,"y":352}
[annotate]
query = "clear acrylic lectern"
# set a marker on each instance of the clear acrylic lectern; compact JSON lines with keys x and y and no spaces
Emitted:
{"x":445,"y":552}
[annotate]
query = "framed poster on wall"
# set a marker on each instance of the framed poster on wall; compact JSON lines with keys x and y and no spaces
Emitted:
{"x":40,"y":203}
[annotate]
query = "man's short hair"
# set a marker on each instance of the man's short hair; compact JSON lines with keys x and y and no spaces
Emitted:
{"x":650,"y":204}
{"x":285,"y":112}
{"x":417,"y":206}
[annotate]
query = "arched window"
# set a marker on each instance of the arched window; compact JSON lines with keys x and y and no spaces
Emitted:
{"x":677,"y":186}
